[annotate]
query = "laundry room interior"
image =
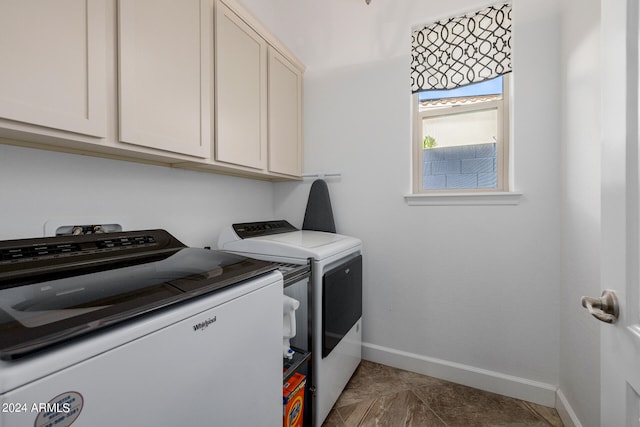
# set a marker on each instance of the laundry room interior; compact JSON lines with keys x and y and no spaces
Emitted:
{"x":477,"y":288}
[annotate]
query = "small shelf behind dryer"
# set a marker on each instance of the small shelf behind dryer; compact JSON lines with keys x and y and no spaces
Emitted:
{"x":297,"y":285}
{"x":293,"y":273}
{"x":300,"y":357}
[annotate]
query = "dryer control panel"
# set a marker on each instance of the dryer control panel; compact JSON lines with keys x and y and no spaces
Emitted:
{"x":262,"y":228}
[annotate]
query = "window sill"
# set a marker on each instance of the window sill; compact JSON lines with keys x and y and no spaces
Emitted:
{"x":464,"y":199}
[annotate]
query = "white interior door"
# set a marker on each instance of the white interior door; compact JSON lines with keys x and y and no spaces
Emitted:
{"x":620,"y":341}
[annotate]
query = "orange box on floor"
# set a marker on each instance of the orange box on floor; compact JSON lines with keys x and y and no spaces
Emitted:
{"x":293,"y":400}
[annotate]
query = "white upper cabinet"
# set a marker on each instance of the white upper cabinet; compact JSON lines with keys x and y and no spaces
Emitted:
{"x":258,"y":96}
{"x":199,"y":84}
{"x":164,"y":74}
{"x":52,"y":70}
{"x":241,"y":91}
{"x":285,"y":115}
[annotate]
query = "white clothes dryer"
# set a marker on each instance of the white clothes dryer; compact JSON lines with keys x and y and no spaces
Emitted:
{"x":336,"y":287}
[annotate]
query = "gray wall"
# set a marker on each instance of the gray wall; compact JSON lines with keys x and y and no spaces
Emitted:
{"x":466,"y":166}
{"x":435,"y":293}
{"x":39,"y":186}
{"x":581,"y":206}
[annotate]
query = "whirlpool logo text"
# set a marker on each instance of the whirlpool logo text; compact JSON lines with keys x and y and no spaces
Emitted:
{"x":204,"y":324}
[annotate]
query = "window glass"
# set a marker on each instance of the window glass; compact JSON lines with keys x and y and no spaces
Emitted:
{"x":461,"y":141}
{"x":488,"y":87}
{"x":452,"y":130}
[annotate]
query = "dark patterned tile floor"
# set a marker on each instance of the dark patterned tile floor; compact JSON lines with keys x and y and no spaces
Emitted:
{"x":379,"y":395}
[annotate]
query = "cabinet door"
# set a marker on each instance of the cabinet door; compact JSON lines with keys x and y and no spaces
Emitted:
{"x":241,"y":91}
{"x":164,"y":80}
{"x":285,"y":116}
{"x":53,"y":64}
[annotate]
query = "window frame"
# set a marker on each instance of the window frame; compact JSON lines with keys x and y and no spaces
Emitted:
{"x":502,"y":145}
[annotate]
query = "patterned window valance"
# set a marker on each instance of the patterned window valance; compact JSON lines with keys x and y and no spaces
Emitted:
{"x":462,"y":50}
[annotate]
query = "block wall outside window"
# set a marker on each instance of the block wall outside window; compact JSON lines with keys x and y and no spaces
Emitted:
{"x":467,"y":166}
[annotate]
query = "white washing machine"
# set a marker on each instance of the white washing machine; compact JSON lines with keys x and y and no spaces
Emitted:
{"x":336,"y":287}
{"x":135,"y":329}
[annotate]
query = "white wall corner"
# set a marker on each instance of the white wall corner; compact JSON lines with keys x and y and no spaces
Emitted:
{"x":567,"y":415}
{"x":495,"y":382}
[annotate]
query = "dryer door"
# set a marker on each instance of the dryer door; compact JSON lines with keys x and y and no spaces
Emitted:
{"x":341,"y":302}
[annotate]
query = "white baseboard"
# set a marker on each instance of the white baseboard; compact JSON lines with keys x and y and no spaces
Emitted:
{"x":495,"y":382}
{"x":568,"y":417}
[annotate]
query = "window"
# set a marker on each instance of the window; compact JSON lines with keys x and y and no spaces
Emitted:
{"x":461,"y":138}
{"x":460,"y":84}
